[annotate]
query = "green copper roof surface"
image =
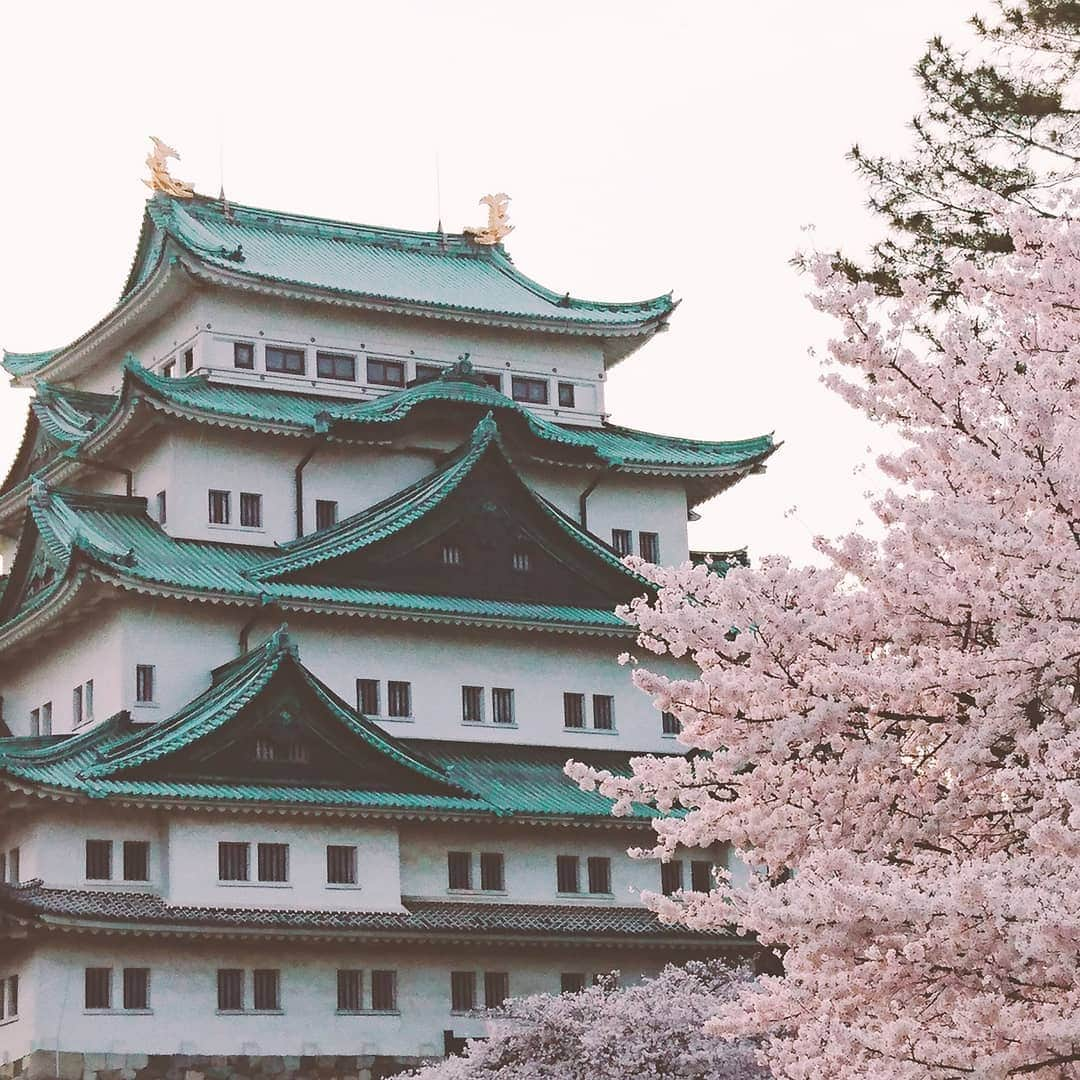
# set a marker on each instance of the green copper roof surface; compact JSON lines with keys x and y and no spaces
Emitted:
{"x":16,"y":363}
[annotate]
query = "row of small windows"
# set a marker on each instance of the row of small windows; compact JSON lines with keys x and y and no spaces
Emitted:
{"x":520,"y":559}
{"x":380,"y":371}
{"x":134,"y":861}
{"x":220,"y":509}
{"x":622,"y":540}
{"x":187,"y":362}
{"x":271,"y":863}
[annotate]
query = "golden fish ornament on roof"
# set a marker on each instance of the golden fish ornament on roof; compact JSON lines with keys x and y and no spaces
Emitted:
{"x":498,"y":222}
{"x":160,"y":180}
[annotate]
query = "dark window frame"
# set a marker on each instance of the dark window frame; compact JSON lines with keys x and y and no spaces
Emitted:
{"x":97,"y":988}
{"x":384,"y":990}
{"x":136,"y":860}
{"x":230,"y":990}
{"x":377,"y":369}
{"x":671,"y":877}
{"x":189,"y":361}
{"x":322,"y":514}
{"x":266,"y":990}
{"x":99,"y":860}
{"x":244,"y":355}
{"x":342,"y":864}
{"x":272,"y":862}
{"x":472,"y":704}
{"x":459,"y":876}
{"x":234,"y":860}
{"x":599,"y":875}
{"x":603,"y":706}
{"x":567,"y":875}
{"x":145,"y":678}
{"x":218,"y":506}
{"x":492,"y":871}
{"x":251,"y":510}
{"x":701,"y":875}
{"x":496,"y":988}
{"x":162,"y":508}
{"x":399,"y":699}
{"x":573,"y":711}
{"x":503,"y":712}
{"x":281,"y":360}
{"x":567,"y":395}
{"x":669,"y":724}
{"x":462,"y":991}
{"x":622,"y":542}
{"x":136,"y":989}
{"x":529,"y":391}
{"x":329,"y":365}
{"x":365,"y":690}
{"x":649,"y":546}
{"x":350,"y":990}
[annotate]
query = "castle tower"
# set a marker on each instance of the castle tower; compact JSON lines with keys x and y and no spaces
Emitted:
{"x":314,"y":544}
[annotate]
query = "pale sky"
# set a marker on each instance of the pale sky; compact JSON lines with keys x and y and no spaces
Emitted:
{"x":647,"y":147}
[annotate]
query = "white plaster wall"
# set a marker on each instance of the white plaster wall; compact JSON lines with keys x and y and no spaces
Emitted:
{"x":51,"y":669}
{"x":18,"y":1036}
{"x":183,"y":995}
{"x":193,"y":864}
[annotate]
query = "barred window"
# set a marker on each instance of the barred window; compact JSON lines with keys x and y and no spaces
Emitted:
{"x":451,"y":555}
{"x":472,"y":704}
{"x":567,"y":873}
{"x":492,"y":872}
{"x":136,"y":860}
{"x":219,"y":511}
{"x":399,"y":698}
{"x":243,"y":353}
{"x":144,"y":682}
{"x":385,"y":372}
{"x":46,"y":718}
{"x":603,"y":715}
{"x":250,"y":510}
{"x":701,"y":875}
{"x":162,"y":508}
{"x":273,"y":860}
{"x":599,"y":874}
{"x":462,"y":991}
{"x":669,"y":724}
{"x":384,"y":991}
{"x":622,"y":540}
{"x":496,"y":988}
{"x":521,"y":561}
{"x":570,"y":982}
{"x":233,"y":861}
{"x":350,"y":991}
{"x":14,"y":870}
{"x":137,"y":988}
{"x":266,"y":990}
{"x":98,"y":860}
{"x":502,"y":705}
{"x":573,"y":710}
{"x":649,"y":546}
{"x":88,"y":699}
{"x":367,"y":697}
{"x":189,"y":360}
{"x":459,"y":869}
{"x":77,"y":706}
{"x":325,"y":513}
{"x":265,"y":750}
{"x":340,"y":865}
{"x":98,"y":988}
{"x":230,"y":989}
{"x":289,"y":361}
{"x":12,"y":995}
{"x":335,"y":366}
{"x":35,"y":721}
{"x":533,"y":391}
{"x":671,"y":877}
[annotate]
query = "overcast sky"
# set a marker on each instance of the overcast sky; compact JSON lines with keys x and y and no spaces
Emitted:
{"x":647,"y":147}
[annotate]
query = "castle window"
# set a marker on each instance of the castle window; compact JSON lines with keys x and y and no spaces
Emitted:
{"x":427,"y":372}
{"x":384,"y":991}
{"x":462,"y":991}
{"x":144,"y":683}
{"x":296,"y":752}
{"x":189,"y":360}
{"x":492,"y":872}
{"x":161,"y":515}
{"x":622,"y":540}
{"x":325,"y":513}
{"x":350,"y":991}
{"x":88,"y":699}
{"x":532,"y":391}
{"x":220,"y":512}
{"x":399,"y":699}
{"x":573,"y":710}
{"x":230,"y":990}
{"x":340,"y":865}
{"x":169,"y":369}
{"x":98,"y":983}
{"x":35,"y":721}
{"x":567,"y":874}
{"x":649,"y":546}
{"x":137,"y":988}
{"x":521,"y":562}
{"x":671,"y":877}
{"x":136,"y":860}
{"x":669,"y":724}
{"x":496,"y":988}
{"x":367,"y":697}
{"x":472,"y":704}
{"x":286,"y":361}
{"x":12,"y":1009}
{"x":250,"y":510}
{"x":234,"y":861}
{"x":335,"y":366}
{"x":265,"y":750}
{"x":493,"y":379}
{"x":14,"y":870}
{"x":273,"y":862}
{"x":459,"y":869}
{"x":451,"y":555}
{"x":77,"y":706}
{"x":243,"y":353}
{"x":385,"y":372}
{"x":502,"y":705}
{"x":266,"y":984}
{"x":566,"y":395}
{"x":98,"y":860}
{"x":603,"y":712}
{"x":46,"y":718}
{"x":701,"y":875}
{"x":599,"y":868}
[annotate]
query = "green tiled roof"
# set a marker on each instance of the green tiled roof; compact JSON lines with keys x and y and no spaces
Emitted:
{"x":117,"y":759}
{"x":445,"y":276}
{"x":116,"y":534}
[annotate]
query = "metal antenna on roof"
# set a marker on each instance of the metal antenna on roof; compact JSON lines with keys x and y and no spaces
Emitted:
{"x":438,"y":200}
{"x":221,"y":180}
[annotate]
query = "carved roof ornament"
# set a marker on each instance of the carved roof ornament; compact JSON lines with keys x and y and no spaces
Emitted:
{"x":160,"y":180}
{"x":498,"y":222}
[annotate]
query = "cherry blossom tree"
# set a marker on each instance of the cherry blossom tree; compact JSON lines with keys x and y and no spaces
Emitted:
{"x":893,"y":739}
{"x":652,"y":1030}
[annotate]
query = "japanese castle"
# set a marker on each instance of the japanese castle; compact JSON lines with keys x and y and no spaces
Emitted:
{"x":313,"y":546}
